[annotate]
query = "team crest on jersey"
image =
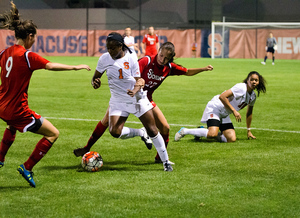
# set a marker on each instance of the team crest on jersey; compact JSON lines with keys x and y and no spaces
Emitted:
{"x":151,"y":75}
{"x":126,"y":65}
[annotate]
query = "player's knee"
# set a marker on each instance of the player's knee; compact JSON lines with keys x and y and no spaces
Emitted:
{"x":231,"y":139}
{"x":212,"y":134}
{"x":165,"y":129}
{"x":115,"y":132}
{"x":55,"y":135}
{"x":152,"y":131}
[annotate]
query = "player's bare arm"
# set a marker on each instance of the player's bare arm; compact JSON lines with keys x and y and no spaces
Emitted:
{"x":59,"y":67}
{"x":194,"y":71}
{"x":224,"y":99}
{"x":248,"y":121}
{"x":140,"y":82}
{"x":96,"y":82}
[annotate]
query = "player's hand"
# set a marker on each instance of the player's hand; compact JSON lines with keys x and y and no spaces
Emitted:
{"x":266,"y":48}
{"x":82,"y":66}
{"x":96,"y":83}
{"x":237,"y":116}
{"x":209,"y":67}
{"x":131,"y":92}
{"x":250,"y":135}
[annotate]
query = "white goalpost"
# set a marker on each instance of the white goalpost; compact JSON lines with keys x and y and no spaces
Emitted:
{"x":246,"y":25}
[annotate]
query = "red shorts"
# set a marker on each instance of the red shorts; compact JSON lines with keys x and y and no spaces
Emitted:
{"x":28,"y":123}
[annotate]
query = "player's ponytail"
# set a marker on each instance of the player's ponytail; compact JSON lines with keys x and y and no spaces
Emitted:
{"x":12,"y":21}
{"x":261,"y":87}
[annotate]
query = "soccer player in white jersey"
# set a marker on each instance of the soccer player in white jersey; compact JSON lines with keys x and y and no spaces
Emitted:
{"x":129,"y":41}
{"x":127,"y":96}
{"x":217,"y":111}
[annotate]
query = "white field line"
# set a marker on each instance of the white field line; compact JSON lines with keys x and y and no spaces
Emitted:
{"x":181,"y":125}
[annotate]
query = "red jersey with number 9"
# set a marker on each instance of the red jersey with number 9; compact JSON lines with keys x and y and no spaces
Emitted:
{"x":17,"y":65}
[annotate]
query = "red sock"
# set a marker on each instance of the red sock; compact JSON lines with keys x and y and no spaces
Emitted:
{"x":38,"y":153}
{"x":98,"y":132}
{"x":166,"y":139}
{"x":7,"y":140}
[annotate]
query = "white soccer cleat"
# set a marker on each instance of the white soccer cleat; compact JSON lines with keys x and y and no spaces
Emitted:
{"x":170,"y":162}
{"x":264,"y":63}
{"x":146,"y":139}
{"x":179,"y":134}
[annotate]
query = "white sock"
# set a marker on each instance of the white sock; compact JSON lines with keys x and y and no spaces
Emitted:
{"x":159,"y":144}
{"x":199,"y":132}
{"x":221,"y":137}
{"x":130,"y":133}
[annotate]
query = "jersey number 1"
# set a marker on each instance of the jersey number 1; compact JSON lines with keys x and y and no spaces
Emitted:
{"x":120,"y":73}
{"x":8,"y":66}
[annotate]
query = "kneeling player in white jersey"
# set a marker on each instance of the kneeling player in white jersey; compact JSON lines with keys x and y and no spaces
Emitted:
{"x":127,"y":96}
{"x":217,"y":111}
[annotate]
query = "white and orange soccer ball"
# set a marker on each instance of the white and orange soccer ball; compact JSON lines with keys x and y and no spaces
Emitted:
{"x":92,"y":161}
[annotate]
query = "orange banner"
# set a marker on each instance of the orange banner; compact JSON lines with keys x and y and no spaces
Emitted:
{"x":78,"y":43}
{"x":252,"y":43}
{"x":242,"y":43}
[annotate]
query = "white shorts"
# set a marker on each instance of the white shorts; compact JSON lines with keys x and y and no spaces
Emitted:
{"x":124,"y":109}
{"x":212,"y":112}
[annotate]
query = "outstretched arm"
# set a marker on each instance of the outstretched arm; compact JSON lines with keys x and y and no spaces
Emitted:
{"x":60,"y":67}
{"x":248,"y":121}
{"x":194,"y":71}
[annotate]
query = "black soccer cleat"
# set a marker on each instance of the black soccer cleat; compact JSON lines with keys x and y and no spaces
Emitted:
{"x":80,"y":151}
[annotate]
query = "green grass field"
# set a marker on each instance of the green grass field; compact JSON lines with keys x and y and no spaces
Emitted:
{"x":248,"y":178}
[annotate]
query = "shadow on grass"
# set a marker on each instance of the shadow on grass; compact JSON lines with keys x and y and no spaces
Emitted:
{"x":202,"y":140}
{"x":110,"y":166}
{"x":205,"y":140}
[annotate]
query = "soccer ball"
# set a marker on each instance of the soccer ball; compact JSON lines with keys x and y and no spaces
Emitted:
{"x":91,"y":161}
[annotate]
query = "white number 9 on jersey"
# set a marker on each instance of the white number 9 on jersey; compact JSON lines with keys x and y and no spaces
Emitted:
{"x":8,"y":66}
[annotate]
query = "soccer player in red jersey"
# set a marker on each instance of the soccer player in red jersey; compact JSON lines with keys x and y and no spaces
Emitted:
{"x":154,"y":70}
{"x":17,"y":65}
{"x":150,"y":43}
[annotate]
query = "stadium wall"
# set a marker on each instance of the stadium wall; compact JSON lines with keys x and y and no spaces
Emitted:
{"x":238,"y":43}
{"x":252,"y":43}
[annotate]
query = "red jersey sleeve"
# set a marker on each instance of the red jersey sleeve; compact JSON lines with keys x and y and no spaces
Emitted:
{"x":143,"y":63}
{"x":1,"y":53}
{"x":177,"y":70}
{"x":36,"y":61}
{"x":156,"y":38}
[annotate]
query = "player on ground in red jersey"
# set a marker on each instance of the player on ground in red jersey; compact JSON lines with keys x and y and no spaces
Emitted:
{"x":154,"y":70}
{"x":150,"y":43}
{"x":17,"y":65}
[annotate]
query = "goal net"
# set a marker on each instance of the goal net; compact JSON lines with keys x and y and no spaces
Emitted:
{"x":248,"y":40}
